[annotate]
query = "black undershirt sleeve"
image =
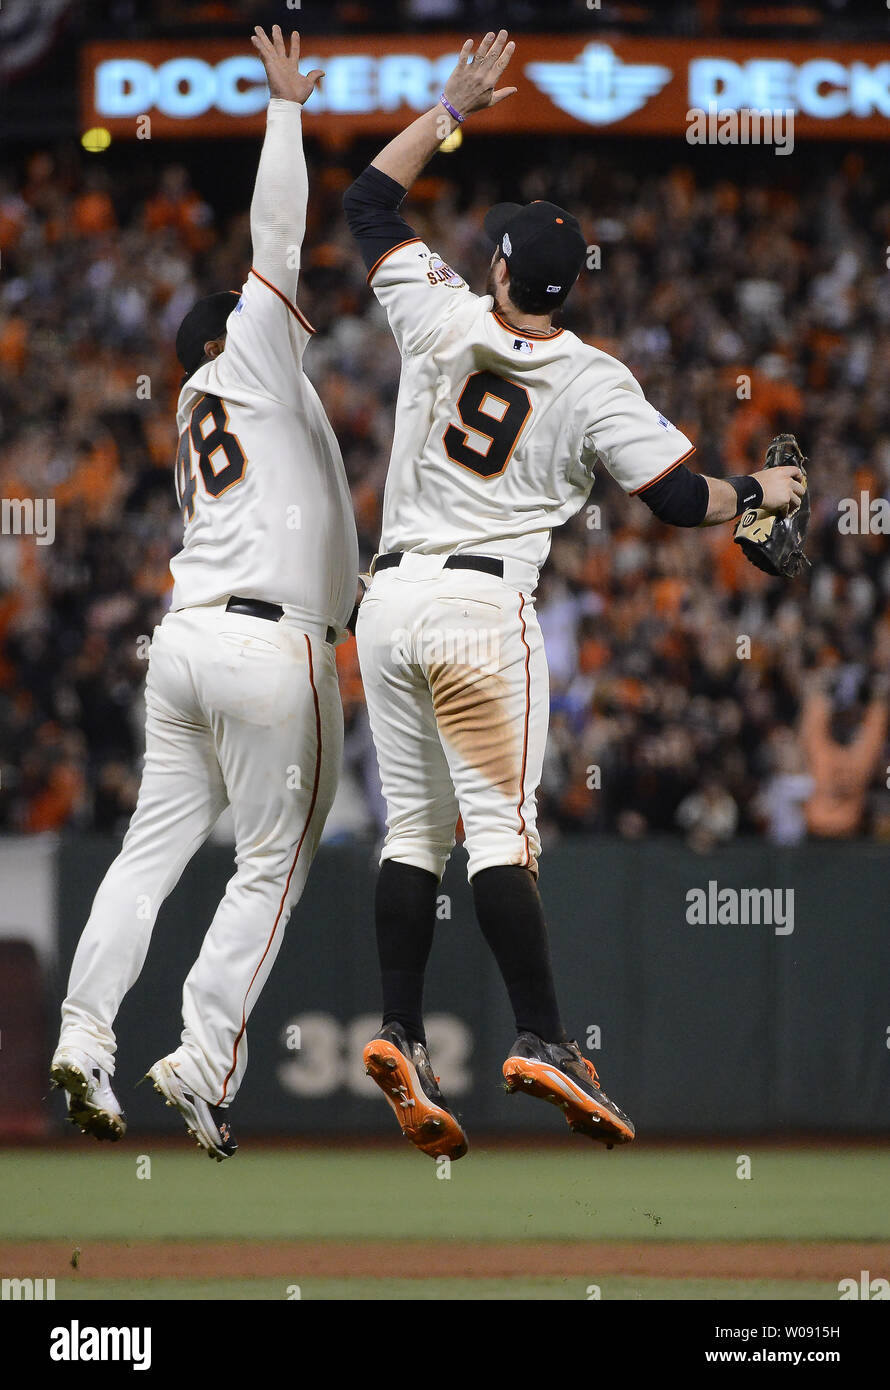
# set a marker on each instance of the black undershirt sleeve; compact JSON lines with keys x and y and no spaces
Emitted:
{"x":371,"y":205}
{"x":680,"y":498}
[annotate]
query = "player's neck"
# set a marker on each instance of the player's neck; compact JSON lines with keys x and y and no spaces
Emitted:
{"x":535,"y":323}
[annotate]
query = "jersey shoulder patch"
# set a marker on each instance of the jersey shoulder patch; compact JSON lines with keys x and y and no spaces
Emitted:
{"x":441,"y":273}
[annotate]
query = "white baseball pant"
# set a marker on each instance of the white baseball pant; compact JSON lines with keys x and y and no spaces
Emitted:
{"x":457,"y":688}
{"x":240,"y":711}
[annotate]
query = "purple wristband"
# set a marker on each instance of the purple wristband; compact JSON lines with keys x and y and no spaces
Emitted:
{"x":450,"y":109}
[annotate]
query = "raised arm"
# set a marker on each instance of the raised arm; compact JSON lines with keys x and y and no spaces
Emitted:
{"x":278,"y":208}
{"x":869,"y":741}
{"x":471,"y":87}
{"x":372,"y":202}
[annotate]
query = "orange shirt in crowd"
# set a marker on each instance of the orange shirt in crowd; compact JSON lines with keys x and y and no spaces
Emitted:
{"x":93,"y":214}
{"x":53,"y":807}
{"x":184,"y":213}
{"x":14,"y":345}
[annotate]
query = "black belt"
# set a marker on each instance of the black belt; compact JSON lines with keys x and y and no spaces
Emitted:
{"x":255,"y":608}
{"x":259,"y":608}
{"x":486,"y":563}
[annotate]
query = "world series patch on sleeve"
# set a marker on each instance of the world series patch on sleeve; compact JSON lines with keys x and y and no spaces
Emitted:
{"x":775,"y":543}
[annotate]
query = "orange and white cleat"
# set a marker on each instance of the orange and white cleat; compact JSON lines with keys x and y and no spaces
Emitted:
{"x":559,"y":1073}
{"x":401,"y":1068}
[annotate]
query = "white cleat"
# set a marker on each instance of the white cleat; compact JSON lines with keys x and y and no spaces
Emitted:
{"x":92,"y":1104}
{"x":206,"y":1123}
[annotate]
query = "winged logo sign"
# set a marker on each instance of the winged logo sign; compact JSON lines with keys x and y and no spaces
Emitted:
{"x":374,"y":82}
{"x":597,"y":87}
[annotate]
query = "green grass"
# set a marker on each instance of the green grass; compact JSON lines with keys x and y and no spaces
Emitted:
{"x":439,"y":1290}
{"x":582,"y":1194}
{"x":87,"y":1194}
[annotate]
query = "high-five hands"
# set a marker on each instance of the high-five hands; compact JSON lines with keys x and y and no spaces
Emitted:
{"x":283,"y":68}
{"x":473,"y":84}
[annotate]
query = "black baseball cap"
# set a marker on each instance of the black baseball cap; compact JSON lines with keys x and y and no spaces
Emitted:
{"x":541,"y":243}
{"x":204,"y":322}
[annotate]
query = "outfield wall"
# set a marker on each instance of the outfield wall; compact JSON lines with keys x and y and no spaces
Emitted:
{"x":697,"y":1026}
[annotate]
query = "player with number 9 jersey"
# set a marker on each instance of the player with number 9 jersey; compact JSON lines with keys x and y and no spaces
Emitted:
{"x":500,"y":419}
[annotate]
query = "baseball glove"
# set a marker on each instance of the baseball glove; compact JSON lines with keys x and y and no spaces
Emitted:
{"x":775,"y":543}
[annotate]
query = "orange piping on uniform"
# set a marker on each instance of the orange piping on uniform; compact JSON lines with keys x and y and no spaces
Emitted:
{"x":528,"y":656}
{"x":289,"y":877}
{"x":380,"y":259}
{"x":526,"y":332}
{"x":675,"y":464}
{"x":301,"y":318}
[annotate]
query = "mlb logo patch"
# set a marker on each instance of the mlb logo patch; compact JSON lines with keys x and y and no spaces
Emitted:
{"x":522,"y":345}
{"x":665,"y":424}
{"x":239,"y":307}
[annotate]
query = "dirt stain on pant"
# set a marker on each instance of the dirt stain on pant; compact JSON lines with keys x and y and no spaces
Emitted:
{"x":472,"y":709}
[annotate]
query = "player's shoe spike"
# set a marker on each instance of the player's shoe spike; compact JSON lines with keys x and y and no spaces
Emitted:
{"x":401,"y":1068}
{"x":206,"y":1123}
{"x":559,"y":1073}
{"x":92,"y":1105}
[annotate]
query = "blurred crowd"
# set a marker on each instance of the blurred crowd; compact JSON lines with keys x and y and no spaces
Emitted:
{"x":691,"y":695}
{"x":841,"y":18}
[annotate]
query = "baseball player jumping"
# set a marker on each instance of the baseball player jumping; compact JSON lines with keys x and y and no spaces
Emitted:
{"x":501,"y":418}
{"x":242,"y":702}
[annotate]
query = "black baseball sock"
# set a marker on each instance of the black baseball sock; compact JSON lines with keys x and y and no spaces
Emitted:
{"x":511,"y":916}
{"x":405,"y":912}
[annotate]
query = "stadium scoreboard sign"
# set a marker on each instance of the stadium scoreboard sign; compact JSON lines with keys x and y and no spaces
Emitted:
{"x":567,"y":84}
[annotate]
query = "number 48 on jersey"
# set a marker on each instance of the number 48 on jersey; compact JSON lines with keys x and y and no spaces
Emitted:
{"x":221,"y":460}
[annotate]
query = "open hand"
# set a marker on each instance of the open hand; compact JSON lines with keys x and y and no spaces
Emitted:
{"x":472,"y":85}
{"x":283,"y":68}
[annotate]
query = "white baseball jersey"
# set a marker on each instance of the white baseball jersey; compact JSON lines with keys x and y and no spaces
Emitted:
{"x":259,"y":475}
{"x":240,"y":711}
{"x":498,"y":429}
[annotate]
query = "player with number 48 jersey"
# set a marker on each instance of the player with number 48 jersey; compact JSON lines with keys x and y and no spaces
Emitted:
{"x":242,"y":702}
{"x":501,"y":419}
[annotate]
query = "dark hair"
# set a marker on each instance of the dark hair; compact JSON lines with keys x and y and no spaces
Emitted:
{"x":531,"y":299}
{"x":205,"y":322}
